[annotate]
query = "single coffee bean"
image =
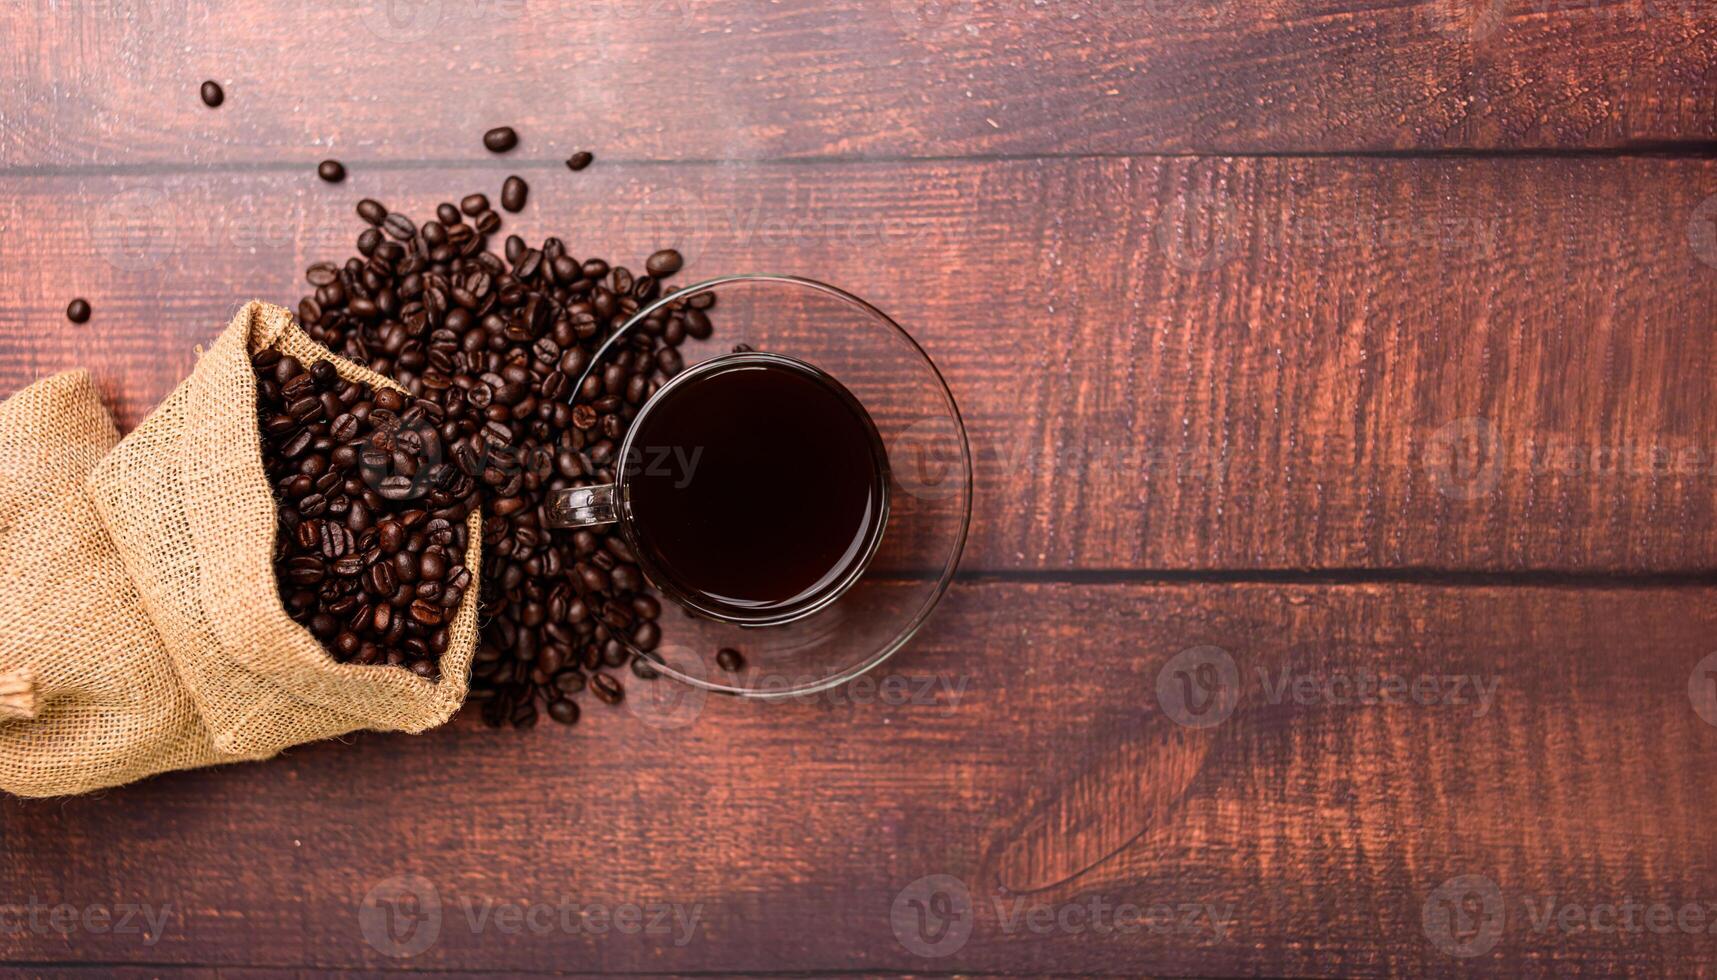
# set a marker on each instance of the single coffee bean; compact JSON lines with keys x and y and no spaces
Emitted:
{"x":664,"y":263}
{"x":606,"y":688}
{"x":372,"y":211}
{"x":513,"y":193}
{"x":212,"y":93}
{"x":77,"y":311}
{"x":332,"y":171}
{"x":426,"y":612}
{"x":474,"y":204}
{"x":399,"y":226}
{"x":500,"y":139}
{"x":730,"y":660}
{"x":578,"y":161}
{"x":563,"y":711}
{"x":397,"y":488}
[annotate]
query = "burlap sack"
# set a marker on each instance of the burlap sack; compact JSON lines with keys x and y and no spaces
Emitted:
{"x":141,"y":629}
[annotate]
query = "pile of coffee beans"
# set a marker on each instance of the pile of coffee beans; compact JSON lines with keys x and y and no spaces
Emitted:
{"x":492,"y":347}
{"x":372,"y":523}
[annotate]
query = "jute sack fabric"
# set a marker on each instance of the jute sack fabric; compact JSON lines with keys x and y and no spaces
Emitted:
{"x":141,"y":629}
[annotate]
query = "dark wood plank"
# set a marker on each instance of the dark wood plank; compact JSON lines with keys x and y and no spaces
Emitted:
{"x":1165,"y":364}
{"x":115,"y":83}
{"x":1053,"y":769}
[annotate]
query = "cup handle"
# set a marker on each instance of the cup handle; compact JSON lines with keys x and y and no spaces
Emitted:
{"x":582,"y":507}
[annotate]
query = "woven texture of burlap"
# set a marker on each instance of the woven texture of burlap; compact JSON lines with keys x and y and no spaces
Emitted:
{"x":141,"y":629}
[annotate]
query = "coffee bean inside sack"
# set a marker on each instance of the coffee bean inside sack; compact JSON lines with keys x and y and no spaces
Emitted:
{"x":495,"y":343}
{"x":369,"y":555}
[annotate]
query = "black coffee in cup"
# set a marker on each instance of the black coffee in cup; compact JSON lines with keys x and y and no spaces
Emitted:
{"x":755,"y":488}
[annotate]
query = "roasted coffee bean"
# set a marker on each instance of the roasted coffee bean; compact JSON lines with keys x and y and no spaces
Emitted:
{"x":513,"y":193}
{"x":336,"y":540}
{"x":332,"y":171}
{"x":664,"y":263}
{"x":212,"y":93}
{"x":398,"y":487}
{"x":606,"y":688}
{"x":427,"y":612}
{"x":580,"y":160}
{"x":474,"y":204}
{"x":77,"y":311}
{"x":730,"y":660}
{"x":305,"y":571}
{"x":372,"y":211}
{"x":433,"y":565}
{"x":500,"y":139}
{"x":399,"y":226}
{"x":563,"y":711}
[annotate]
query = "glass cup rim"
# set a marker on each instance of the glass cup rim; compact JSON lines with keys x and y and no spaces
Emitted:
{"x":944,"y":579}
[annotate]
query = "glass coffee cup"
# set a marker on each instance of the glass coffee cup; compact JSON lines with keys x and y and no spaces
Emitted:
{"x":801,"y":487}
{"x":752,"y":488}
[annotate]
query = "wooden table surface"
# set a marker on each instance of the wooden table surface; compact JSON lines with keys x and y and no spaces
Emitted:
{"x":1350,"y":361}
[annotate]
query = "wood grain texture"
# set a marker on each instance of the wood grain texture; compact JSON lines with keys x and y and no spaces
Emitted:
{"x":1052,"y":770}
{"x":1485,"y":365}
{"x":113,"y":83}
{"x":1191,"y":331}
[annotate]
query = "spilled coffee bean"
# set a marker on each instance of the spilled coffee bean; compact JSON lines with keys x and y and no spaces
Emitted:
{"x":606,"y":688}
{"x":212,"y":93}
{"x":332,"y":171}
{"x":513,"y":192}
{"x":500,"y":139}
{"x":663,"y":263}
{"x":77,"y":311}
